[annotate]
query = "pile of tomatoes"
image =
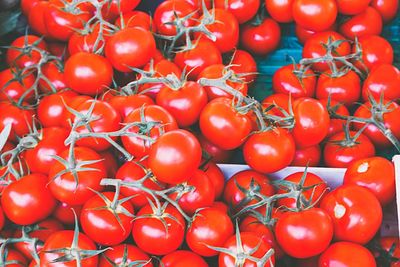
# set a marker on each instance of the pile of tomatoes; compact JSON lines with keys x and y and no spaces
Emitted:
{"x":113,"y":122}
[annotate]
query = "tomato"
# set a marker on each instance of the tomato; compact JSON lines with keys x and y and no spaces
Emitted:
{"x":28,"y":200}
{"x":225,"y":29}
{"x":339,"y":152}
{"x":355,"y":211}
{"x":387,"y":244}
{"x":276,"y":147}
{"x":244,"y":63}
{"x":375,"y":51}
{"x":204,"y":53}
{"x":376,"y":174}
{"x":2,"y":219}
{"x":17,"y":58}
{"x":304,"y":34}
{"x":280,"y":101}
{"x":64,"y":239}
{"x":311,"y":122}
{"x":245,"y":187}
{"x":160,"y":121}
{"x":16,"y":85}
{"x":169,"y":11}
{"x":217,"y":154}
{"x":63,"y":185}
{"x":387,"y":8}
{"x":175,"y":156}
{"x":184,"y":103}
{"x":335,"y":125}
{"x":312,"y":195}
{"x":116,"y":7}
{"x":384,"y":79}
{"x":13,"y":258}
{"x":345,"y":88}
{"x":50,"y":143}
{"x":58,"y":49}
{"x":243,"y":10}
{"x":369,"y":22}
{"x":26,"y":6}
{"x":347,"y":7}
{"x":210,"y":227}
{"x":36,"y":18}
{"x":53,"y":79}
{"x":21,"y":119}
{"x":198,"y":3}
{"x":314,"y":15}
{"x":183,"y":258}
{"x":223,"y":125}
{"x":124,"y":255}
{"x":86,"y":41}
{"x":286,"y":81}
{"x":130,"y":47}
{"x":216,"y":177}
{"x":63,"y":213}
{"x":279,"y":10}
{"x":261,"y":39}
{"x":126,"y":104}
{"x":313,"y":48}
{"x":158,"y":232}
{"x":88,"y":73}
{"x":346,"y":254}
{"x":309,"y":156}
{"x":134,"y":18}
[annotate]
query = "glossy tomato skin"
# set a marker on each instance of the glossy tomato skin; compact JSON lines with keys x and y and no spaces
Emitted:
{"x":281,"y":101}
{"x":126,"y":104}
{"x":244,"y":63}
{"x":152,"y":236}
{"x":87,"y":41}
{"x":285,"y":81}
{"x":14,"y":256}
{"x":335,"y":125}
{"x":13,"y":86}
{"x":117,"y":253}
{"x":21,"y":120}
{"x":387,"y":8}
{"x":346,"y":254}
{"x":65,"y":213}
{"x":115,"y":8}
{"x":16,"y":58}
{"x":36,"y":17}
{"x":183,"y":258}
{"x":243,"y":10}
{"x":261,"y":39}
{"x":387,"y":243}
{"x":134,"y":18}
{"x":309,"y":156}
{"x":338,"y":156}
{"x":376,"y":174}
{"x":311,"y":122}
{"x":28,"y":200}
{"x":313,"y":14}
{"x":304,"y":34}
{"x":276,"y":147}
{"x":211,"y":227}
{"x":356,"y":213}
{"x":346,"y":7}
{"x":384,"y":79}
{"x":375,"y":51}
{"x":369,"y":22}
{"x":216,"y":177}
{"x":281,"y":11}
{"x":130,"y":47}
{"x":222,"y":125}
{"x":217,"y":154}
{"x":54,"y":78}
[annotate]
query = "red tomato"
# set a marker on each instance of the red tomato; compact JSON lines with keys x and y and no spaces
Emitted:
{"x":216,"y":177}
{"x":339,"y":152}
{"x":183,"y":258}
{"x":28,"y":200}
{"x":124,"y":255}
{"x":244,"y":63}
{"x":286,"y":81}
{"x":345,"y":88}
{"x":314,"y":15}
{"x":347,"y":7}
{"x":375,"y":51}
{"x":276,"y":147}
{"x":130,"y":47}
{"x":243,"y":10}
{"x":134,"y":19}
{"x":369,"y":22}
{"x":65,"y":188}
{"x":21,"y":119}
{"x":384,"y":79}
{"x":36,"y":18}
{"x":387,"y":244}
{"x":211,"y":227}
{"x":346,"y":254}
{"x":335,"y":125}
{"x":158,"y":232}
{"x":376,"y":174}
{"x":175,"y":156}
{"x":15,"y":55}
{"x":355,"y":211}
{"x":2,"y":218}
{"x":53,"y":79}
{"x":311,"y":122}
{"x":26,"y":6}
{"x":86,"y":41}
{"x":261,"y":39}
{"x":387,"y":8}
{"x":217,"y":154}
{"x":304,"y":34}
{"x":13,"y":258}
{"x":126,"y":104}
{"x":309,"y":156}
{"x":63,"y":213}
{"x":114,"y":8}
{"x":16,"y":85}
{"x":279,"y":10}
{"x":223,"y":125}
{"x":304,"y":234}
{"x":280,"y":101}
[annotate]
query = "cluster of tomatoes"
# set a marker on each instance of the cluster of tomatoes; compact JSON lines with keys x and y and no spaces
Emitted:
{"x":113,"y":121}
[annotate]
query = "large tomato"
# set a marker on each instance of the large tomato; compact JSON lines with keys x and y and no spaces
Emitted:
{"x":279,"y":10}
{"x":369,"y":22}
{"x":16,"y":85}
{"x":384,"y":79}
{"x":114,"y":8}
{"x":244,"y":10}
{"x":314,"y":15}
{"x":134,"y":18}
{"x":335,"y":125}
{"x":244,"y":63}
{"x":53,"y":79}
{"x":183,"y":258}
{"x":387,"y":8}
{"x":375,"y":50}
{"x":126,"y":104}
{"x":309,"y":156}
{"x":352,"y":7}
{"x":15,"y":56}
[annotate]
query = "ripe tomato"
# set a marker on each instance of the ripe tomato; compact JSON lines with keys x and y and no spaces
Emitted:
{"x":216,"y":177}
{"x":384,"y":79}
{"x":53,"y":78}
{"x":28,"y":200}
{"x":175,"y":156}
{"x":217,"y":154}
{"x":36,"y":18}
{"x":304,"y":234}
{"x":21,"y":119}
{"x":65,"y":188}
{"x":346,"y":254}
{"x":347,"y":7}
{"x":280,"y":101}
{"x":261,"y":39}
{"x":387,"y":8}
{"x":223,"y":125}
{"x":15,"y":86}
{"x":13,"y":258}
{"x":309,"y":156}
{"x":375,"y":51}
{"x":114,"y":8}
{"x":387,"y":244}
{"x":279,"y":10}
{"x":63,"y":213}
{"x":88,"y":73}
{"x":369,"y":22}
{"x":126,"y":104}
{"x":150,"y":114}
{"x":345,"y":88}
{"x":211,"y":227}
{"x":339,"y":152}
{"x":158,"y":232}
{"x":243,"y":10}
{"x":244,"y":63}
{"x":311,"y":122}
{"x":314,"y":15}
{"x":86,"y":41}
{"x":130,"y":47}
{"x":276,"y":147}
{"x":124,"y":255}
{"x":133,"y":19}
{"x":15,"y":56}
{"x":183,"y":258}
{"x":286,"y":81}
{"x":376,"y":174}
{"x":304,"y":34}
{"x":355,"y":211}
{"x":335,"y":125}
{"x":26,"y":6}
